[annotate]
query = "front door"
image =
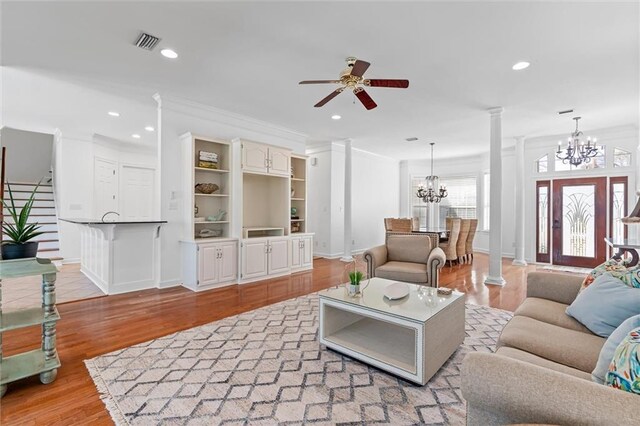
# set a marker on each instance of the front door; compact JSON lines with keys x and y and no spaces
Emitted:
{"x":579,"y":221}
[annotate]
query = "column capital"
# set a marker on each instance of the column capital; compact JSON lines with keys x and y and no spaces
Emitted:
{"x":520,"y":138}
{"x":496,"y":110}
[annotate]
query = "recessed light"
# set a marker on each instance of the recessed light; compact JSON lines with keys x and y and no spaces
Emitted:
{"x":149,"y":128}
{"x":135,"y":136}
{"x":336,"y":117}
{"x":114,"y":114}
{"x":168,"y":53}
{"x":520,"y":66}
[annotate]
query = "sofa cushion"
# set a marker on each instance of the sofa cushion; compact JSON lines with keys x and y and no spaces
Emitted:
{"x":550,"y":312}
{"x":408,"y":248}
{"x":624,"y":370}
{"x":569,"y":347}
{"x":618,"y":269}
{"x":542,"y":362}
{"x":606,"y":354}
{"x":403,"y":271}
{"x":605,"y":304}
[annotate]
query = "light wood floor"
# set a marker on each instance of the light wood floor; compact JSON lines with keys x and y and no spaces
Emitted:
{"x":97,"y":326}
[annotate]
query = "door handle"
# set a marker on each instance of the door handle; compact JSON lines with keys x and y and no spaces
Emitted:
{"x":556,"y":224}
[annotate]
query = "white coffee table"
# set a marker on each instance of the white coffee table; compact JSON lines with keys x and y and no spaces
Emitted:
{"x":411,"y":338}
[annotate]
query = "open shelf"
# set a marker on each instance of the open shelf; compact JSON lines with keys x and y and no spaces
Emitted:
{"x":297,"y":179}
{"x":261,"y":232}
{"x":25,"y":318}
{"x":26,"y":364}
{"x":210,"y":195}
{"x":297,"y":220}
{"x":209,"y":222}
{"x":206,"y":169}
{"x":297,"y":199}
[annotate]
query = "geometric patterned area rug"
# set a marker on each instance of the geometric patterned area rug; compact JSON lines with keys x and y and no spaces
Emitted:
{"x":266,"y":367}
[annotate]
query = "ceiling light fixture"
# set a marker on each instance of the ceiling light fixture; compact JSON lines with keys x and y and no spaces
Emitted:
{"x":431,"y":192}
{"x":578,"y":150}
{"x":149,"y":128}
{"x":520,"y":66}
{"x":336,"y":117}
{"x":114,"y":114}
{"x":168,"y":53}
{"x":135,"y":136}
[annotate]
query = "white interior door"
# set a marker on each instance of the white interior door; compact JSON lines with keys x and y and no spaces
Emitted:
{"x":105,"y":185}
{"x":279,"y":161}
{"x":279,"y":256}
{"x":137,"y":193}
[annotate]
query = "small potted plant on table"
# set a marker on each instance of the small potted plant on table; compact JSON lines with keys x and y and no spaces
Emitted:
{"x":354,"y":282}
{"x":20,"y":232}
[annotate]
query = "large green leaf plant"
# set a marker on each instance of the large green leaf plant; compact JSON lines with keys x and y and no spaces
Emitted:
{"x":20,"y":231}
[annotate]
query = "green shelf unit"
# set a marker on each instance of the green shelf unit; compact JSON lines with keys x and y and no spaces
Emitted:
{"x":43,"y":361}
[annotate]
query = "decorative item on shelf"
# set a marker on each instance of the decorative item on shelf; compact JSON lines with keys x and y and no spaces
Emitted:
{"x":294,"y":213}
{"x":195,"y":210}
{"x":20,"y":232}
{"x":577,"y":151}
{"x":206,"y":188}
{"x":207,"y":160}
{"x":218,"y":217}
{"x":443,"y":291}
{"x":293,"y":192}
{"x":292,"y":171}
{"x":431,"y":192}
{"x":295,"y":227}
{"x":210,"y":233}
{"x":355,"y":273}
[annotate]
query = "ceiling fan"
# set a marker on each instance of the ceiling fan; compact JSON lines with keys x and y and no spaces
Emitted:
{"x":351,"y":78}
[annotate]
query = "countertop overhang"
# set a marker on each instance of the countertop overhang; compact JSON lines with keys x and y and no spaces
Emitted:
{"x":81,"y":221}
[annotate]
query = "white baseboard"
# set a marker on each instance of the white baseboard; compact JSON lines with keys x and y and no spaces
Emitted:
{"x":337,"y":255}
{"x":169,"y":283}
{"x":70,"y":261}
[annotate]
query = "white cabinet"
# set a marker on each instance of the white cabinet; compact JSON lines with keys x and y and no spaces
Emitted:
{"x":265,"y":257}
{"x":209,"y":265}
{"x":260,"y":158}
{"x":301,"y":252}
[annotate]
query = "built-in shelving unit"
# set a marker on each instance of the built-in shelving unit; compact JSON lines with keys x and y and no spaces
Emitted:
{"x":201,"y":206}
{"x":298,"y":194}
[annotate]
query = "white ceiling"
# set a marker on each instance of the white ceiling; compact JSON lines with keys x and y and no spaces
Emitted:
{"x":248,"y":57}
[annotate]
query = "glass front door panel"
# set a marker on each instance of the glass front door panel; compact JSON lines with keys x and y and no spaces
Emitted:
{"x":578,"y":220}
{"x":543,"y":219}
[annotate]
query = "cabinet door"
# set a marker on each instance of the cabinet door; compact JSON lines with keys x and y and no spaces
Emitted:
{"x":279,"y":161}
{"x":254,"y":259}
{"x":306,"y":252}
{"x":228,"y":270}
{"x":295,"y":252}
{"x":254,"y":157}
{"x":279,"y":256}
{"x":208,"y":264}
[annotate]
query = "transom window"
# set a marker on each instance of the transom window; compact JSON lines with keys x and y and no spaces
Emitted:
{"x":621,"y":158}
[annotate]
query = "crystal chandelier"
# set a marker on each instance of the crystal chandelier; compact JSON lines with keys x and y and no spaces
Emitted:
{"x":578,"y":149}
{"x":431,"y":191}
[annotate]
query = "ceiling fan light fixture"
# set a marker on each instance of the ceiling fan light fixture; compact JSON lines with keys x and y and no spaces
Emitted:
{"x":519,"y":66}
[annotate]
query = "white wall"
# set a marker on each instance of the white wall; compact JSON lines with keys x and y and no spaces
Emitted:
{"x":29,"y":155}
{"x":375,"y":195}
{"x":73,"y":168}
{"x":176,"y":117}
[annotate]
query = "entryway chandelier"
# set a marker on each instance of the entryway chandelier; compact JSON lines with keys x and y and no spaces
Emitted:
{"x":578,"y":149}
{"x":431,"y":191}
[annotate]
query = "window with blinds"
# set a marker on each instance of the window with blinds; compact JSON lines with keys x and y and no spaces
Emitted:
{"x":461,"y":201}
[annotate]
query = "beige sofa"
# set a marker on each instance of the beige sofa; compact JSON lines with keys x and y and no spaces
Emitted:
{"x":541,"y":371}
{"x":412,"y":258}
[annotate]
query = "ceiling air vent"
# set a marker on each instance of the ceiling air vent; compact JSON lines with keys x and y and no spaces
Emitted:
{"x":411,"y":139}
{"x":566,"y":111}
{"x":147,"y":41}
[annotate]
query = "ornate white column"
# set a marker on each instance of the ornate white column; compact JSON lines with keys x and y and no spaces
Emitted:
{"x":495,"y":200}
{"x":346,"y":256}
{"x":519,"y":259}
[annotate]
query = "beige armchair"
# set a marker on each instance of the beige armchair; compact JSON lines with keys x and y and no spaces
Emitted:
{"x":409,"y":258}
{"x":449,"y":247}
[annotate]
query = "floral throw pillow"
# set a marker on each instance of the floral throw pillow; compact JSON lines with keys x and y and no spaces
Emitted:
{"x":617,"y":268}
{"x":624,"y":370}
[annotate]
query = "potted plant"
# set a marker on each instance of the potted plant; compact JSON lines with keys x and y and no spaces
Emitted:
{"x":20,"y":232}
{"x":354,"y":282}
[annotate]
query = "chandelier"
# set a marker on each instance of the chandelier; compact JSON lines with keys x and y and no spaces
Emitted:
{"x":431,"y":191}
{"x":578,"y":149}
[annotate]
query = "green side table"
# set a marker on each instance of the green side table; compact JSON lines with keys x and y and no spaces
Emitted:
{"x":43,"y":361}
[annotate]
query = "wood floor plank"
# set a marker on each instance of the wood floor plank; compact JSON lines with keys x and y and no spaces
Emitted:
{"x":97,"y":326}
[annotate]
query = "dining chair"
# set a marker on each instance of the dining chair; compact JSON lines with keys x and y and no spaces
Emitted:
{"x":461,"y":245}
{"x":470,"y":237}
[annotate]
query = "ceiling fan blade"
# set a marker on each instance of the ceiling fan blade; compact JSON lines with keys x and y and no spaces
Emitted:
{"x":328,"y":98}
{"x":319,"y":81}
{"x":359,"y":68}
{"x":398,"y":84}
{"x":364,"y":97}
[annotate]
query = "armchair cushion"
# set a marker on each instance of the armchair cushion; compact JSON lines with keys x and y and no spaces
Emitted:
{"x":408,"y":248}
{"x":403,"y":271}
